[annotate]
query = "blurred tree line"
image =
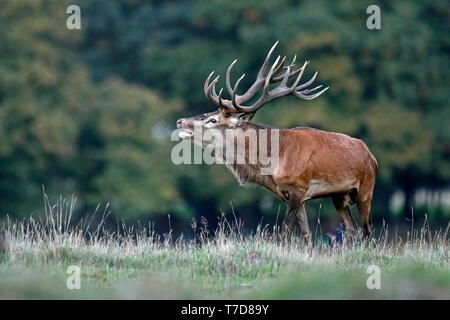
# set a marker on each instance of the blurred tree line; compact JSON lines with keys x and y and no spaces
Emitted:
{"x":90,"y":111}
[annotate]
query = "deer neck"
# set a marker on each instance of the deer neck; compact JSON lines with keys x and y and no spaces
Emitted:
{"x":245,"y":169}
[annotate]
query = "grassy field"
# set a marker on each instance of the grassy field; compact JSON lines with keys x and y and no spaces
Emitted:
{"x":222,"y":264}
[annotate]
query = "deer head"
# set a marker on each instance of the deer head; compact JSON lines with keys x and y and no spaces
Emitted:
{"x":232,"y":112}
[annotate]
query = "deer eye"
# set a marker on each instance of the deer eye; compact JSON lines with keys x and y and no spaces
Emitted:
{"x":213,"y":120}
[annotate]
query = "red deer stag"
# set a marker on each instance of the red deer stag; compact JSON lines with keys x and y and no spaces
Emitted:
{"x":311,"y":163}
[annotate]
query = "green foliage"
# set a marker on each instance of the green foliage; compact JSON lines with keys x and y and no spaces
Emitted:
{"x":61,"y":129}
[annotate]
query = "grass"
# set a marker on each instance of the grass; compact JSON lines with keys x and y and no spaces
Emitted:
{"x":140,"y":264}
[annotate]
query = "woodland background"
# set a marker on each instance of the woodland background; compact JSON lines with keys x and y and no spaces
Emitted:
{"x":90,"y":112}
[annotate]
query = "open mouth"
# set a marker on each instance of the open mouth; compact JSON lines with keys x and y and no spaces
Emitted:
{"x":185,"y":133}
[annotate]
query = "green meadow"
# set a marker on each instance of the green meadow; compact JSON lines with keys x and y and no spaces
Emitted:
{"x":220,"y":264}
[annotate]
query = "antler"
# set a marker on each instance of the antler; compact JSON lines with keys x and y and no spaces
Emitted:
{"x":263,"y":81}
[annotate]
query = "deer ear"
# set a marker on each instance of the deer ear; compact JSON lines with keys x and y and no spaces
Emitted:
{"x":247,"y":116}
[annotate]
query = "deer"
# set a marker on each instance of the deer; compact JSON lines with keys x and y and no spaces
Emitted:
{"x":311,"y":164}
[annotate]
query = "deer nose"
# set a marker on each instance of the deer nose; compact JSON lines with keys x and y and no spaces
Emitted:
{"x":179,"y":123}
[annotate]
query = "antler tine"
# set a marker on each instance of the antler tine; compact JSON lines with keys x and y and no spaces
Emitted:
{"x":305,"y":97}
{"x":293,"y":60}
{"x":266,"y":62}
{"x":233,"y":96}
{"x":280,"y":77}
{"x":227,"y":78}
{"x":311,"y":90}
{"x":286,"y":77}
{"x":300,"y":75}
{"x":258,"y":82}
{"x":293,"y":73}
{"x":270,"y":74}
{"x":265,"y":96}
{"x":308,"y":83}
{"x":220,"y":97}
{"x":292,"y":64}
{"x":280,"y":66}
{"x":206,"y":85}
{"x":211,"y":91}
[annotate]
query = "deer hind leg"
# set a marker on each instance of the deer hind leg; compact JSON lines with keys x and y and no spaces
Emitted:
{"x":366,"y":220}
{"x":364,"y":202}
{"x":342,"y":204}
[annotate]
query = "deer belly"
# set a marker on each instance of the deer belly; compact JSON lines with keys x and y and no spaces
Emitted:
{"x":319,"y":188}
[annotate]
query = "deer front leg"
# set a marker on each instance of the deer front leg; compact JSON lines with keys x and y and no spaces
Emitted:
{"x":302,"y":219}
{"x":296,"y":212}
{"x":293,"y":206}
